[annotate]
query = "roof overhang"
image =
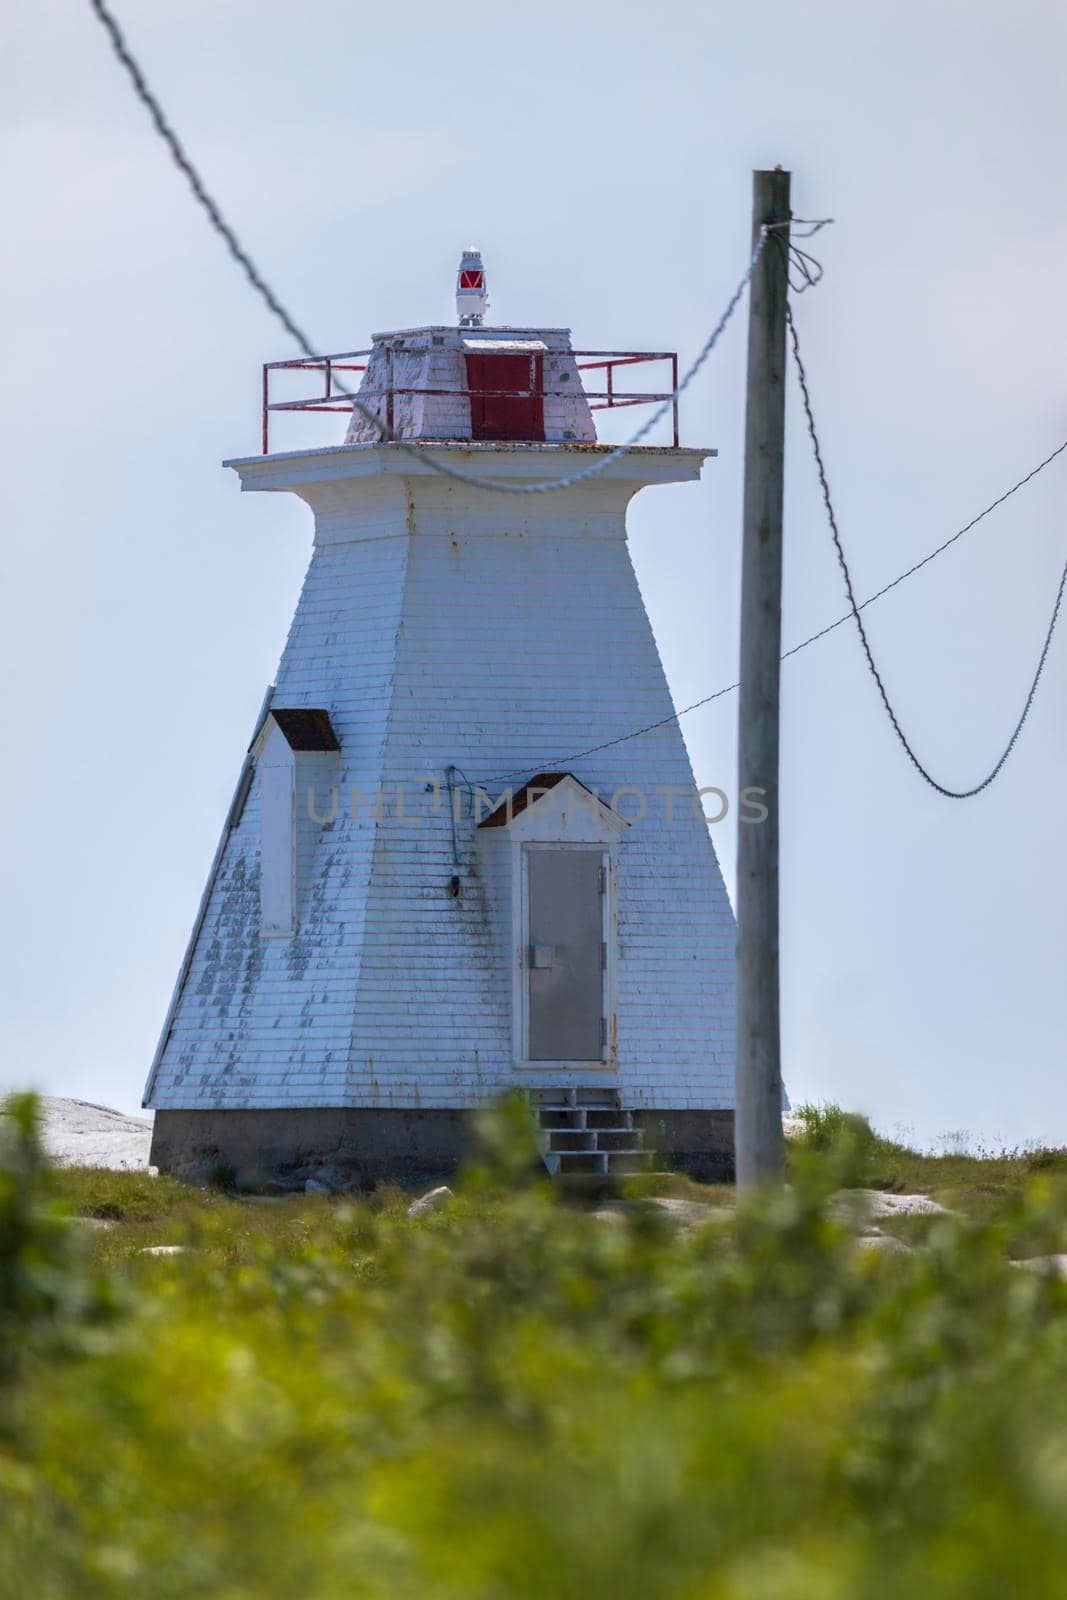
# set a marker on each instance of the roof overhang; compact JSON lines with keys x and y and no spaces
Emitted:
{"x":303,"y":728}
{"x":509,"y":463}
{"x":553,"y":805}
{"x":454,"y":331}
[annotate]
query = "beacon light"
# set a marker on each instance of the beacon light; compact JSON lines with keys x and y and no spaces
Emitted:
{"x":472,"y":298}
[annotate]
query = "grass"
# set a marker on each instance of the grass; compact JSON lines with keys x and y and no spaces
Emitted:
{"x":982,"y":1186}
{"x":509,"y":1399}
{"x":134,"y":1211}
{"x":141,"y":1210}
{"x":643,"y":1185}
{"x":123,"y":1196}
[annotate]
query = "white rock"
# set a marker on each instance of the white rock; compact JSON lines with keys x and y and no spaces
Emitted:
{"x":877,"y":1203}
{"x":794,"y":1127}
{"x":1049,"y":1266}
{"x":77,"y":1133}
{"x":687,"y":1213}
{"x":609,"y":1213}
{"x":883,"y":1244}
{"x":164,"y":1250}
{"x":431,"y":1201}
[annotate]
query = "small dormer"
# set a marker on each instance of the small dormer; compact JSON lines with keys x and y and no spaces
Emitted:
{"x":296,"y":754}
{"x":555,"y":807}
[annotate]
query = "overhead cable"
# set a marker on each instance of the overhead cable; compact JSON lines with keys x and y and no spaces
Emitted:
{"x":812,"y":638}
{"x":854,"y":609}
{"x":387,"y":435}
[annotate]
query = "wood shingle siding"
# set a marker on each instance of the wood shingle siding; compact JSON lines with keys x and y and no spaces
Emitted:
{"x":442,"y":628}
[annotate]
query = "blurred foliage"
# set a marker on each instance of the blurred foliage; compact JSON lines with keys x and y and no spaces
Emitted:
{"x":47,"y":1297}
{"x":514,"y":1396}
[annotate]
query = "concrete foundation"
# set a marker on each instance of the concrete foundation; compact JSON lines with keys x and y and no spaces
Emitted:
{"x":699,"y":1143}
{"x":365,"y":1146}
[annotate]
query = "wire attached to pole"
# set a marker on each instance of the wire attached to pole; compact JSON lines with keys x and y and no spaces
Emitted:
{"x":812,"y":638}
{"x":854,"y":609}
{"x":387,"y":435}
{"x":805,"y":272}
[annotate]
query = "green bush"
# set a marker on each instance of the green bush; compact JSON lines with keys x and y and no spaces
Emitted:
{"x":122,"y":1196}
{"x":512,"y":1397}
{"x":1046,"y":1160}
{"x":47,"y":1297}
{"x":863,"y":1158}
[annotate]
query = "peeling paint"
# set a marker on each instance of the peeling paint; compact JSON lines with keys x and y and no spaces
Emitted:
{"x":436,"y":629}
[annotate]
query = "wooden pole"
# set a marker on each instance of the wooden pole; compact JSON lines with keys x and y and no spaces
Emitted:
{"x":758,"y":1130}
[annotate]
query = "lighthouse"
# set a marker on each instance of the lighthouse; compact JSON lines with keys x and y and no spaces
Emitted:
{"x":454,"y":864}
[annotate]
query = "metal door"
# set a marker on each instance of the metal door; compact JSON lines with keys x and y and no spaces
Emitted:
{"x":565,"y":954}
{"x":507,"y":396}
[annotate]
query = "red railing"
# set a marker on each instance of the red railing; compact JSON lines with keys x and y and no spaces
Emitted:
{"x":608,"y":398}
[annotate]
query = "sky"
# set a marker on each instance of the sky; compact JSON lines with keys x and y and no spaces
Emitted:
{"x":600,"y":154}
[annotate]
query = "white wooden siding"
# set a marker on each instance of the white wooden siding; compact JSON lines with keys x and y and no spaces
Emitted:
{"x":441,"y":626}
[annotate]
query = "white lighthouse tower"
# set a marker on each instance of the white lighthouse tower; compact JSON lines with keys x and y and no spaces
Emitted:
{"x":448,"y":871}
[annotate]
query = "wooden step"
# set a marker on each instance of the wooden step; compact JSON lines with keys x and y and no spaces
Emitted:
{"x":618,"y":1139}
{"x":584,"y":1130}
{"x":573,"y":1095}
{"x":563,"y":1117}
{"x":607,"y":1117}
{"x":571,"y":1161}
{"x":571,"y":1139}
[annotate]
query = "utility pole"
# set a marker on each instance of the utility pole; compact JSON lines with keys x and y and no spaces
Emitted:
{"x":758,"y":1131}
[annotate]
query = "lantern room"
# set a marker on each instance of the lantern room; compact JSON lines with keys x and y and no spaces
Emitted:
{"x":470,"y":383}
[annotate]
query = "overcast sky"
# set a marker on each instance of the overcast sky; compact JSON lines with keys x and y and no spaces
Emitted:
{"x":599,"y":153}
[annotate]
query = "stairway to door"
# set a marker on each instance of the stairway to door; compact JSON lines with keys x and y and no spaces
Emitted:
{"x":586,"y":1129}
